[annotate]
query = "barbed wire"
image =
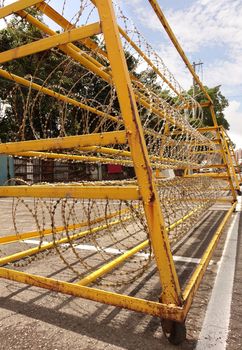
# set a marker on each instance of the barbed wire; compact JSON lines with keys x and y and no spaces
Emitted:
{"x":62,"y":97}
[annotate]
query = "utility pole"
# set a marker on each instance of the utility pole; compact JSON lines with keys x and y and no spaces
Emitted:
{"x":195,"y":65}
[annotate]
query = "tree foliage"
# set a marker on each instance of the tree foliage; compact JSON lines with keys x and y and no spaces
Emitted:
{"x":30,"y":114}
{"x":220,"y":103}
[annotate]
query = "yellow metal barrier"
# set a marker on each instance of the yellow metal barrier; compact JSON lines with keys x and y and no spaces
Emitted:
{"x":110,"y":103}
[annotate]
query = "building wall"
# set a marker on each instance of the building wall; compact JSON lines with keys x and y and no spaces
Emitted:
{"x":6,"y":169}
{"x":238,"y":154}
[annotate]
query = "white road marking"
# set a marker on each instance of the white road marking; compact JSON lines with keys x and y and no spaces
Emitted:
{"x":115,"y":251}
{"x":215,"y":327}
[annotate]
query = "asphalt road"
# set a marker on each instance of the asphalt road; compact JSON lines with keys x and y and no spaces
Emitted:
{"x":33,"y":318}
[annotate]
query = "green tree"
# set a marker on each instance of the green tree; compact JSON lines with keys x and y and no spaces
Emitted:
{"x":27,"y":113}
{"x":220,"y":103}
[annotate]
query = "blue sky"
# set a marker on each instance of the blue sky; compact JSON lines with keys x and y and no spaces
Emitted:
{"x":209,"y":31}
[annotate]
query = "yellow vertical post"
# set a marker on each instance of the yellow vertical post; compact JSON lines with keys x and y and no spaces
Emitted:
{"x":213,"y":115}
{"x":171,"y":292}
{"x":223,"y":151}
{"x":230,"y":161}
{"x":163,"y":141}
{"x":234,"y":158}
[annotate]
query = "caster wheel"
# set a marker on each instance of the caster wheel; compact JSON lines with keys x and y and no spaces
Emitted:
{"x":174,"y":331}
{"x":238,"y":192}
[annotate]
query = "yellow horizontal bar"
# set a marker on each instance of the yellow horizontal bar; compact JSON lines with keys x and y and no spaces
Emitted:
{"x":36,"y":250}
{"x":122,"y":153}
{"x":140,"y":305}
{"x":208,"y":128}
{"x":112,"y":264}
{"x":92,"y":159}
{"x":47,"y":30}
{"x":79,"y":158}
{"x":184,"y":218}
{"x":213,"y":166}
{"x":106,"y":150}
{"x":70,"y":49}
{"x":33,"y":234}
{"x":67,"y":191}
{"x":16,"y":6}
{"x":78,"y":141}
{"x":206,"y":199}
{"x":207,"y":152}
{"x":189,"y":106}
{"x":213,"y":175}
{"x":50,"y":42}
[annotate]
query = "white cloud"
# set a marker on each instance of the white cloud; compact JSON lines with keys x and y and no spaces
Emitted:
{"x":175,"y":64}
{"x":212,"y":23}
{"x":204,"y":25}
{"x":216,"y":25}
{"x":2,"y":21}
{"x":225,"y":72}
{"x":233,"y":114}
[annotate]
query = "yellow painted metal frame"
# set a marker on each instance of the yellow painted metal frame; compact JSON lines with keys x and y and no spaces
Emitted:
{"x":88,"y":62}
{"x":47,"y":232}
{"x":70,"y":191}
{"x":92,"y":159}
{"x":67,"y":142}
{"x":225,"y":151}
{"x":49,"y":43}
{"x":178,"y":47}
{"x":163,"y":310}
{"x":174,"y":304}
{"x":17,"y":6}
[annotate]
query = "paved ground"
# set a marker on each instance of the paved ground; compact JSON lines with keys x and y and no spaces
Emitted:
{"x":235,"y":327}
{"x":32,"y":318}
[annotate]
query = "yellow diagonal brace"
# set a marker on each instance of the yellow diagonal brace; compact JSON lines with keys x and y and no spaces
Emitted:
{"x":56,"y":95}
{"x":93,"y":65}
{"x":70,"y":49}
{"x":174,"y":40}
{"x":105,"y":138}
{"x":16,"y":6}
{"x":48,"y":43}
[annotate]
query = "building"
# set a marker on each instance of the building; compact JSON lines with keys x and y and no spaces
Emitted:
{"x":238,"y":155}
